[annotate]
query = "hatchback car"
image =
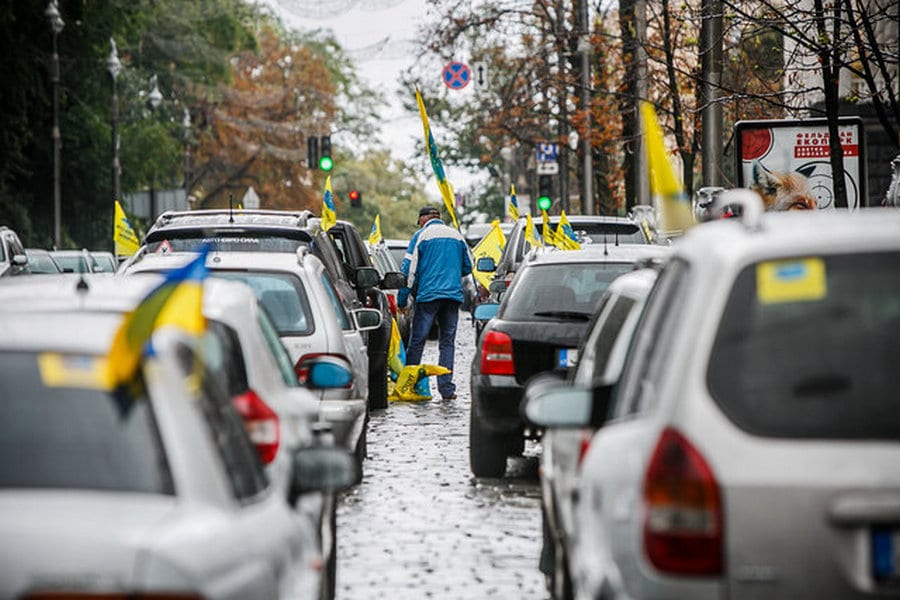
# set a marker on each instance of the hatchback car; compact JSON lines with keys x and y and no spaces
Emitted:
{"x":538,"y":328}
{"x":310,"y":320}
{"x":123,"y":492}
{"x":750,"y":448}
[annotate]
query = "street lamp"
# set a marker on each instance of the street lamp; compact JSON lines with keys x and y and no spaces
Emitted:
{"x":114,"y":66}
{"x":155,"y":97}
{"x":186,"y":122}
{"x":56,"y":25}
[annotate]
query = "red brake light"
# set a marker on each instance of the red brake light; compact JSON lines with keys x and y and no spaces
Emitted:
{"x":496,"y":354}
{"x":392,"y":304}
{"x":683,"y":520}
{"x":261,"y":423}
{"x":307,"y":360}
{"x":584,"y":444}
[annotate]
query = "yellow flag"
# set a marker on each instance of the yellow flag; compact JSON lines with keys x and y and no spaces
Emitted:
{"x":674,"y":205}
{"x":547,"y":229}
{"x":375,"y":233}
{"x":124,"y":239}
{"x":490,"y":245}
{"x":530,"y":236}
{"x":329,"y":217}
{"x":513,"y":203}
{"x":436,"y":165}
{"x":564,"y":237}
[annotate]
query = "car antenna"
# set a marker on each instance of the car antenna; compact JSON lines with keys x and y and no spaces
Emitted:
{"x":605,"y":247}
{"x":230,"y":209}
{"x":82,"y":286}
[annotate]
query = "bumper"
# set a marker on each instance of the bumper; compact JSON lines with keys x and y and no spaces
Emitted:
{"x":495,"y":402}
{"x":347,"y":419}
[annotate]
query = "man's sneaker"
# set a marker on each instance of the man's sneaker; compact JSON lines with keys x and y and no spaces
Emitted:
{"x":450,"y":397}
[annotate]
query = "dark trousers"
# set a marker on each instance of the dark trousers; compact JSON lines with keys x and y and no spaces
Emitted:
{"x":446,"y":313}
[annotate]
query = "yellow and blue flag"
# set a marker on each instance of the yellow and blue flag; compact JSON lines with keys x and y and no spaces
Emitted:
{"x":329,"y":217}
{"x":674,"y":205}
{"x":177,"y":301}
{"x":436,"y":165}
{"x":513,"y":203}
{"x":564,"y":237}
{"x":490,"y":245}
{"x":124,"y":239}
{"x":531,"y":233}
{"x":547,"y":228}
{"x":375,"y":234}
{"x":396,"y":352}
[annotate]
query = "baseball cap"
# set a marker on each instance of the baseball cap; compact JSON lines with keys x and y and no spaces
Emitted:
{"x":429,"y":210}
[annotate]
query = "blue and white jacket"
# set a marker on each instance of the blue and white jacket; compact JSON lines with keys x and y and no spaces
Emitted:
{"x":436,"y":260}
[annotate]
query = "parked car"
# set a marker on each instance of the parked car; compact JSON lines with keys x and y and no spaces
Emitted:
{"x":476,"y":231}
{"x":397,"y":248}
{"x":311,"y":322}
{"x":40,"y":262}
{"x":123,"y":492}
{"x":538,"y":327}
{"x":104,"y":262}
{"x":384,"y":261}
{"x":75,"y":261}
{"x":13,"y":260}
{"x":750,"y":446}
{"x":603,"y":231}
{"x":600,"y":359}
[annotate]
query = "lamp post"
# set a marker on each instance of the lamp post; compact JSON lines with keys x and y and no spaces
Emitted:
{"x":56,"y":25}
{"x":114,"y":66}
{"x":186,"y":122}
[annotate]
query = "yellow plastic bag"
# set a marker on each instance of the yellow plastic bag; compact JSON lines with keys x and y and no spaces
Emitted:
{"x":408,"y":388}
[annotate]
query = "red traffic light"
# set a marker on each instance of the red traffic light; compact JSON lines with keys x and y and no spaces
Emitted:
{"x":354,"y":195}
{"x":355,"y":198}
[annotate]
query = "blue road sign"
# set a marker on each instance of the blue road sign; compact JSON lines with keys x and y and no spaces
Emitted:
{"x":456,"y":75}
{"x":547,"y":152}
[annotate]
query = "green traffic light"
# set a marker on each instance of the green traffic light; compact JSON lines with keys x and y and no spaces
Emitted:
{"x":544,"y":202}
{"x":325,"y":163}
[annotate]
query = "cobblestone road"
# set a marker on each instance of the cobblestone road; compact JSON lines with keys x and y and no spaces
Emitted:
{"x":420,"y":525}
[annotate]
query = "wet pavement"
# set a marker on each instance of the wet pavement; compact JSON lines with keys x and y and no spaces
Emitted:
{"x":420,"y":525}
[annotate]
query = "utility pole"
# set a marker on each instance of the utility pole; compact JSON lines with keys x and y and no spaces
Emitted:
{"x":584,"y":46}
{"x":562,"y":104}
{"x":640,"y":56}
{"x":711,"y":65}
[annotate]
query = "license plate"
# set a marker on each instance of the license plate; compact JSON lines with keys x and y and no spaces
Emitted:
{"x":886,"y":553}
{"x":566,"y":358}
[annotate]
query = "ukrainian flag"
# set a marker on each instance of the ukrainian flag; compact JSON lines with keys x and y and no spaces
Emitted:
{"x":490,"y":245}
{"x":674,"y":204}
{"x":124,"y":239}
{"x":531,"y":233}
{"x":564,"y":237}
{"x":548,"y":229}
{"x":375,"y":234}
{"x":329,"y":217}
{"x":177,"y":301}
{"x":396,"y":352}
{"x":436,"y":164}
{"x":513,"y":203}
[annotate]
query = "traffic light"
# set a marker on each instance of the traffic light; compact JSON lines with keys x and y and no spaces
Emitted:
{"x":355,"y":198}
{"x":312,"y":152}
{"x":545,"y":190}
{"x":325,"y":161}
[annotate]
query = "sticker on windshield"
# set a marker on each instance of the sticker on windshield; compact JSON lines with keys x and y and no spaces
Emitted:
{"x":801,"y":280}
{"x":73,"y":371}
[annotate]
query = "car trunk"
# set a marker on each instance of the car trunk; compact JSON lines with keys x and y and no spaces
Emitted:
{"x":537,"y":345}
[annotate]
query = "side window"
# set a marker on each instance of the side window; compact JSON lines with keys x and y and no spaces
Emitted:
{"x":343,"y":318}
{"x":651,"y":339}
{"x":282,"y":358}
{"x":604,"y":340}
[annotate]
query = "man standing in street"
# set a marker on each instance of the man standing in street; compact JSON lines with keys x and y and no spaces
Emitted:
{"x":436,"y":261}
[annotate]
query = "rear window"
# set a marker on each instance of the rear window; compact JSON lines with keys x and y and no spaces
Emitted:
{"x":598,"y":233}
{"x":63,"y":436}
{"x":808,"y":348}
{"x":227,"y":241}
{"x":554,"y":291}
{"x":283,"y":297}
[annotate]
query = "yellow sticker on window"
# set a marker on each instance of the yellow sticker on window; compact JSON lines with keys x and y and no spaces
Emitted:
{"x":799,"y":280}
{"x":74,"y":371}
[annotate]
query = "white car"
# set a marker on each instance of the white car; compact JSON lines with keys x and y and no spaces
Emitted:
{"x":750,"y":448}
{"x":148,"y":490}
{"x":310,"y":319}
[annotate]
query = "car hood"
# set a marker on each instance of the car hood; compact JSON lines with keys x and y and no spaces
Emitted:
{"x":83,"y":540}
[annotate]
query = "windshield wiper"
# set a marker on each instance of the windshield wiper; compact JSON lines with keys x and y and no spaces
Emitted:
{"x":564,"y":314}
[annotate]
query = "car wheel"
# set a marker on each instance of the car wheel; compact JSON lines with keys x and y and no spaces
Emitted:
{"x":487,"y":452}
{"x":562,"y":582}
{"x":378,"y":386}
{"x":362,"y":450}
{"x":329,"y":577}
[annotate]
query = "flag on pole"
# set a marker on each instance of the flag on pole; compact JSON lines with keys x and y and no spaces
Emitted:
{"x":513,"y":203}
{"x":329,"y":217}
{"x":674,"y":205}
{"x":564,"y":237}
{"x":547,"y":233}
{"x":375,"y":234}
{"x":531,"y":233}
{"x":490,"y":245}
{"x":436,"y":165}
{"x":176,"y":301}
{"x":124,"y":239}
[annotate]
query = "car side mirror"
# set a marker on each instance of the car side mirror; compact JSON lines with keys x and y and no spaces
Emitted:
{"x":559,"y":404}
{"x":19,"y":260}
{"x":367,"y":319}
{"x":485,"y":311}
{"x":323,"y":469}
{"x":486,"y":264}
{"x":367,"y":277}
{"x":393,"y":281}
{"x":325,"y":372}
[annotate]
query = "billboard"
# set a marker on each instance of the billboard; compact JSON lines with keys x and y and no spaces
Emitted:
{"x":800,"y":148}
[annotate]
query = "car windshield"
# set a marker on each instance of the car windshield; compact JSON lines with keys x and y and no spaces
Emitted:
{"x":807,"y":348}
{"x":226,"y":241}
{"x":283,"y":297}
{"x":560,"y":291}
{"x":57,"y":432}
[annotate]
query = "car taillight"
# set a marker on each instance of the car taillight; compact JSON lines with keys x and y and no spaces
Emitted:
{"x":584,"y":444}
{"x":683,"y":519}
{"x":261,"y":423}
{"x":496,"y":354}
{"x":392,"y":304}
{"x":307,"y":360}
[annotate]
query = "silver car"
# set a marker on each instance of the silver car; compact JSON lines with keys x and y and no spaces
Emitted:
{"x":147,"y":490}
{"x":311,"y":322}
{"x":750,"y":448}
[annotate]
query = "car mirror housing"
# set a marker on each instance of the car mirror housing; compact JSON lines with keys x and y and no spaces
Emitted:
{"x":566,"y":407}
{"x":367,"y":319}
{"x":328,"y":372}
{"x":367,"y":277}
{"x":323,"y":469}
{"x":485,"y":311}
{"x":393,"y":281}
{"x":486,"y":264}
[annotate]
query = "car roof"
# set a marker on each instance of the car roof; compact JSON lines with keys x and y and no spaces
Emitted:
{"x":219,"y":219}
{"x":599,"y":253}
{"x":253,"y":260}
{"x":634,"y":284}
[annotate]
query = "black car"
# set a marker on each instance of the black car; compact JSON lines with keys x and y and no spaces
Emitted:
{"x":538,"y":328}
